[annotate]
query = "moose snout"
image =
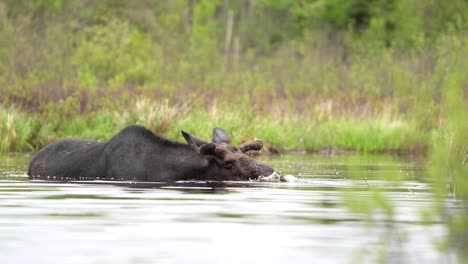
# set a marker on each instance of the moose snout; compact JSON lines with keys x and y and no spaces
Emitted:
{"x":265,"y":170}
{"x":269,"y":175}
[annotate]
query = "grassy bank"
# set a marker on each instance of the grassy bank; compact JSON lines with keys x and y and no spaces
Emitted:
{"x":279,"y":130}
{"x":383,"y":100}
{"x":377,"y":99}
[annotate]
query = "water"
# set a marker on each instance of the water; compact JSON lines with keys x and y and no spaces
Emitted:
{"x":303,"y":222}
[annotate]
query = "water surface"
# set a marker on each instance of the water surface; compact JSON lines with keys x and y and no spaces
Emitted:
{"x":304,"y":222}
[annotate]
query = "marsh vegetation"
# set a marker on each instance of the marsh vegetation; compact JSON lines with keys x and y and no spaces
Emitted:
{"x":321,"y":76}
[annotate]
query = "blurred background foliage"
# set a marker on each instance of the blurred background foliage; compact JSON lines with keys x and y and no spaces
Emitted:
{"x":249,"y":44}
{"x":366,"y":75}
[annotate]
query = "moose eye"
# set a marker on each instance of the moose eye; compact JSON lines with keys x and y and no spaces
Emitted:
{"x":228,"y":166}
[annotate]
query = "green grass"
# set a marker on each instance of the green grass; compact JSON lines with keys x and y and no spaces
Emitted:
{"x":285,"y":131}
{"x":16,"y":130}
{"x":386,"y":100}
{"x":448,"y":159}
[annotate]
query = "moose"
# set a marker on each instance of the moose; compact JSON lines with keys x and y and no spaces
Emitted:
{"x":137,"y":154}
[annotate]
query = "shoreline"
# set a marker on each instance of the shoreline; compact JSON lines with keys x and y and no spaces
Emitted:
{"x":311,"y":131}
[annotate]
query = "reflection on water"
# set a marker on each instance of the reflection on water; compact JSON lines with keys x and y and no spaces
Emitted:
{"x":302,"y":222}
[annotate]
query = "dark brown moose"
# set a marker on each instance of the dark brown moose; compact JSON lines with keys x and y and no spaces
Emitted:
{"x":137,"y":154}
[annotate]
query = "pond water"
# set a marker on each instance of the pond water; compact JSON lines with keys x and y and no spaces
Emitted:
{"x":308,"y":221}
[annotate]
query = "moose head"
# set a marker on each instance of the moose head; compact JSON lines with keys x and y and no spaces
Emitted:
{"x":230,"y":162}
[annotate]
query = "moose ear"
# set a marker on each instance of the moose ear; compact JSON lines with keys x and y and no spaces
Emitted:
{"x":193,"y":141}
{"x":220,"y":136}
{"x":208,"y":149}
{"x":254,"y":145}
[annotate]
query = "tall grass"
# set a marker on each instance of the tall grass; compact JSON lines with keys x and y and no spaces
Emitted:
{"x":16,"y":130}
{"x":278,"y":130}
{"x":448,"y":160}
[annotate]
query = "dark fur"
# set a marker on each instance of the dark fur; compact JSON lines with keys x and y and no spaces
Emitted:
{"x":135,"y":153}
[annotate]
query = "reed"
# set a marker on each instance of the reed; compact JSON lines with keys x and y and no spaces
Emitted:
{"x":448,"y":159}
{"x":16,"y":130}
{"x":281,"y":130}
